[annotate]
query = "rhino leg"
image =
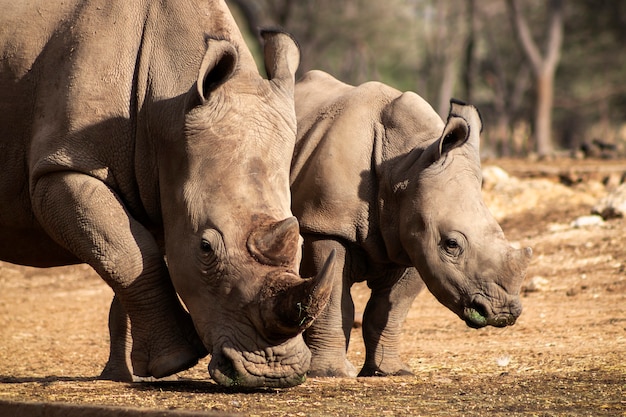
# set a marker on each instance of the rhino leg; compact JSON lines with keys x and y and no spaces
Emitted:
{"x":329,"y":335}
{"x":87,"y":217}
{"x":118,"y":367}
{"x":386,"y":310}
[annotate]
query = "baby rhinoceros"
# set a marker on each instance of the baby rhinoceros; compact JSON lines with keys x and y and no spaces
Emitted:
{"x":381,"y":179}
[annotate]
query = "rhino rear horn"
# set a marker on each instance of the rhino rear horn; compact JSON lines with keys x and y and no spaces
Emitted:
{"x":276,"y":244}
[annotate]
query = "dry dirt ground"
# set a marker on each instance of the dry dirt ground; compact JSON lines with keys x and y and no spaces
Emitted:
{"x":566,"y":356}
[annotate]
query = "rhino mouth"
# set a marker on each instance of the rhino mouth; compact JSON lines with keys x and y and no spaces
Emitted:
{"x":479,"y":315}
{"x":265,"y":368}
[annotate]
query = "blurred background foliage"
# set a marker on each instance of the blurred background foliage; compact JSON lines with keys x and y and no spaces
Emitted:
{"x":549,"y":76}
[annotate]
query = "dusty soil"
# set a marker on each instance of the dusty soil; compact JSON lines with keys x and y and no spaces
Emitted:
{"x":566,"y":355}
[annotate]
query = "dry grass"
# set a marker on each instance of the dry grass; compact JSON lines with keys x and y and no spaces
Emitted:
{"x":564,"y":357}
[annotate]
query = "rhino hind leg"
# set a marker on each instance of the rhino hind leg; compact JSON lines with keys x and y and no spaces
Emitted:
{"x":86,"y":217}
{"x":384,"y":315}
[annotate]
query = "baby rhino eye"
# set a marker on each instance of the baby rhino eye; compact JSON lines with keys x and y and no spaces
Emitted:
{"x":453,"y":246}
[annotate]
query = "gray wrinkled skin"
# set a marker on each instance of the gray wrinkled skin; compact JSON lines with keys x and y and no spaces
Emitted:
{"x":139,"y":137}
{"x":378,"y":177}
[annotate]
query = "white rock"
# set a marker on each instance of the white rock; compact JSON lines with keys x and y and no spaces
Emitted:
{"x":493,"y":175}
{"x":584,"y":221}
{"x":613,"y":205}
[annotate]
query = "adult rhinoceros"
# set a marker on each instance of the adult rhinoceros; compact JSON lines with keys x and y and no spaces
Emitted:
{"x":381,"y":179}
{"x":131,"y":130}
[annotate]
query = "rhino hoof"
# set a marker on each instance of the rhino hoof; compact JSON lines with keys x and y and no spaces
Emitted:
{"x":168,"y":365}
{"x":375,"y":371}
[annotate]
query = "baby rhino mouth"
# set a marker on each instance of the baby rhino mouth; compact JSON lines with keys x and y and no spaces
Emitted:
{"x":232,"y":368}
{"x":478,"y":315}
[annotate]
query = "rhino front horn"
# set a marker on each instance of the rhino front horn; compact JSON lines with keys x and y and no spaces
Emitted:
{"x":295,"y":309}
{"x":276,"y":244}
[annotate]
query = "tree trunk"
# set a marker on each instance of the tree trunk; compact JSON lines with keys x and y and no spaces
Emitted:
{"x":543,"y":115}
{"x":470,"y":60}
{"x":544,"y":68}
{"x":446,"y":88}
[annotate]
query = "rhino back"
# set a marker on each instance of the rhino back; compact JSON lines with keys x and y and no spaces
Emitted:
{"x":333,"y":180}
{"x":91,"y":86}
{"x":78,"y":84}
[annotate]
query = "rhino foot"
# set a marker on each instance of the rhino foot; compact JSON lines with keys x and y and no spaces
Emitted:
{"x":149,"y":354}
{"x":114,"y":371}
{"x":369,"y":371}
{"x":163,"y":369}
{"x":331,"y":370}
{"x":166,"y":364}
{"x":176,"y":357}
{"x":163,"y":356}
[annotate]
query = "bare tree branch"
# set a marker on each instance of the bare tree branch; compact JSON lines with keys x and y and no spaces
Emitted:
{"x":524,"y":36}
{"x":253,"y":14}
{"x":555,"y":36}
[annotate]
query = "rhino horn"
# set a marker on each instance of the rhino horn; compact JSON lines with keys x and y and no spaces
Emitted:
{"x":276,"y":244}
{"x":518,"y":261}
{"x":522,"y":257}
{"x":293,"y":304}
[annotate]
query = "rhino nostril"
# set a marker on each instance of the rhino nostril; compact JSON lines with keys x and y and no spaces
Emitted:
{"x":501,"y":320}
{"x":223,"y":371}
{"x":476,"y":314}
{"x":480,"y":309}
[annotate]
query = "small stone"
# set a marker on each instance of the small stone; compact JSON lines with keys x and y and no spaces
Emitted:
{"x":503,"y":360}
{"x":358,"y":320}
{"x":571,"y":292}
{"x":536,"y":284}
{"x":585,"y":221}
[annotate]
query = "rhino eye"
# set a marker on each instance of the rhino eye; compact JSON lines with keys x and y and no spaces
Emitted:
{"x":452,"y":246}
{"x":205,"y":246}
{"x":211,"y":244}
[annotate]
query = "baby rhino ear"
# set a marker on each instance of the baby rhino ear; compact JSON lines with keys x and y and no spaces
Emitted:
{"x":454,"y":135}
{"x":462,"y":127}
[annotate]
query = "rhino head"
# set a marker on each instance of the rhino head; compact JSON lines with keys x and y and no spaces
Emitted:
{"x":447,"y":232}
{"x":233,"y":247}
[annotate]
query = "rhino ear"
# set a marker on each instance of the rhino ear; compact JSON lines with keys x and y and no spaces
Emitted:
{"x":463,"y":127}
{"x":454,"y":135}
{"x":218,"y":65}
{"x":281,"y":57}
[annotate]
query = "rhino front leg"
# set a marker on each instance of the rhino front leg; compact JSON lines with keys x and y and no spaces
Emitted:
{"x":87,"y":217}
{"x":329,"y":335}
{"x":386,"y":310}
{"x":118,"y":366}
